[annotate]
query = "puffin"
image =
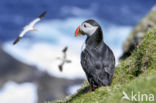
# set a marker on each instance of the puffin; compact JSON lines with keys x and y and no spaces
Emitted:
{"x":97,"y":59}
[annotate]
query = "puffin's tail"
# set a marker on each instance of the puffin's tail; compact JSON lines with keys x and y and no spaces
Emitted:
{"x":17,"y":40}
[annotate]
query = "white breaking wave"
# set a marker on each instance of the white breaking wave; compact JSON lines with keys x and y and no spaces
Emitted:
{"x":53,"y":35}
{"x":18,"y":93}
{"x":44,"y":56}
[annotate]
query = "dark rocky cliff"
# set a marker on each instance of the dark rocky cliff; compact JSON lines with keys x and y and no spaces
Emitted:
{"x":147,"y":24}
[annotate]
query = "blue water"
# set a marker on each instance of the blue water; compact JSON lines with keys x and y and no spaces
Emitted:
{"x":14,"y":14}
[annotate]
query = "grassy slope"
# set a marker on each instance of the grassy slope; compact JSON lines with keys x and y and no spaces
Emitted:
{"x":137,"y":73}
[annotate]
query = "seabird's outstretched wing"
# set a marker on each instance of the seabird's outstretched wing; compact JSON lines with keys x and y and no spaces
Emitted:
{"x":38,"y":19}
{"x":60,"y":68}
{"x":43,"y":14}
{"x":65,"y":49}
{"x":68,"y":61}
{"x":29,"y":27}
{"x":17,"y":40}
{"x":20,"y":36}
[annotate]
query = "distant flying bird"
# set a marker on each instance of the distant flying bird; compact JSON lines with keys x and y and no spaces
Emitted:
{"x":29,"y":27}
{"x":64,"y":59}
{"x":97,"y":59}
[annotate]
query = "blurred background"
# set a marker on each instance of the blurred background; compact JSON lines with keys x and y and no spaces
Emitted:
{"x":29,"y":70}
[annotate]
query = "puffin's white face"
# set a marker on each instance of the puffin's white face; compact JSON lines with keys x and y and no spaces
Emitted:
{"x":87,"y":28}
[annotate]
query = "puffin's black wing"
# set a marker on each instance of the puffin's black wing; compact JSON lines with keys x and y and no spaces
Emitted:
{"x":107,"y":66}
{"x":99,"y":66}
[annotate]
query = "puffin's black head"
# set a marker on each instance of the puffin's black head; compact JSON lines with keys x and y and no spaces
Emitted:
{"x":88,"y":27}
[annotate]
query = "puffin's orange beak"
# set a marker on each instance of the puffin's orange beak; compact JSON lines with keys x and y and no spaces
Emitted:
{"x":78,"y":32}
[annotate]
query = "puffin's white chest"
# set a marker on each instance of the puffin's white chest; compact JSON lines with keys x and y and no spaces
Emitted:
{"x":83,"y":47}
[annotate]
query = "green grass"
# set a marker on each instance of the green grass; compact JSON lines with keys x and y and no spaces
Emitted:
{"x":137,"y":73}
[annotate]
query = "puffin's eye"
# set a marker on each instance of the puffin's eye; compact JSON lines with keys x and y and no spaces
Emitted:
{"x":85,"y":25}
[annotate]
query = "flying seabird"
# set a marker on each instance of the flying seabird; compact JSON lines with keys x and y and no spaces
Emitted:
{"x":64,"y":59}
{"x":29,"y":27}
{"x":97,"y":59}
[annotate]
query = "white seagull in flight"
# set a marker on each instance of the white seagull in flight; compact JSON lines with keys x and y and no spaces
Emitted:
{"x":29,"y":27}
{"x":64,"y":59}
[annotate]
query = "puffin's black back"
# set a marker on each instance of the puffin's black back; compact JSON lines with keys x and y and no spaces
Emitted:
{"x":97,"y":59}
